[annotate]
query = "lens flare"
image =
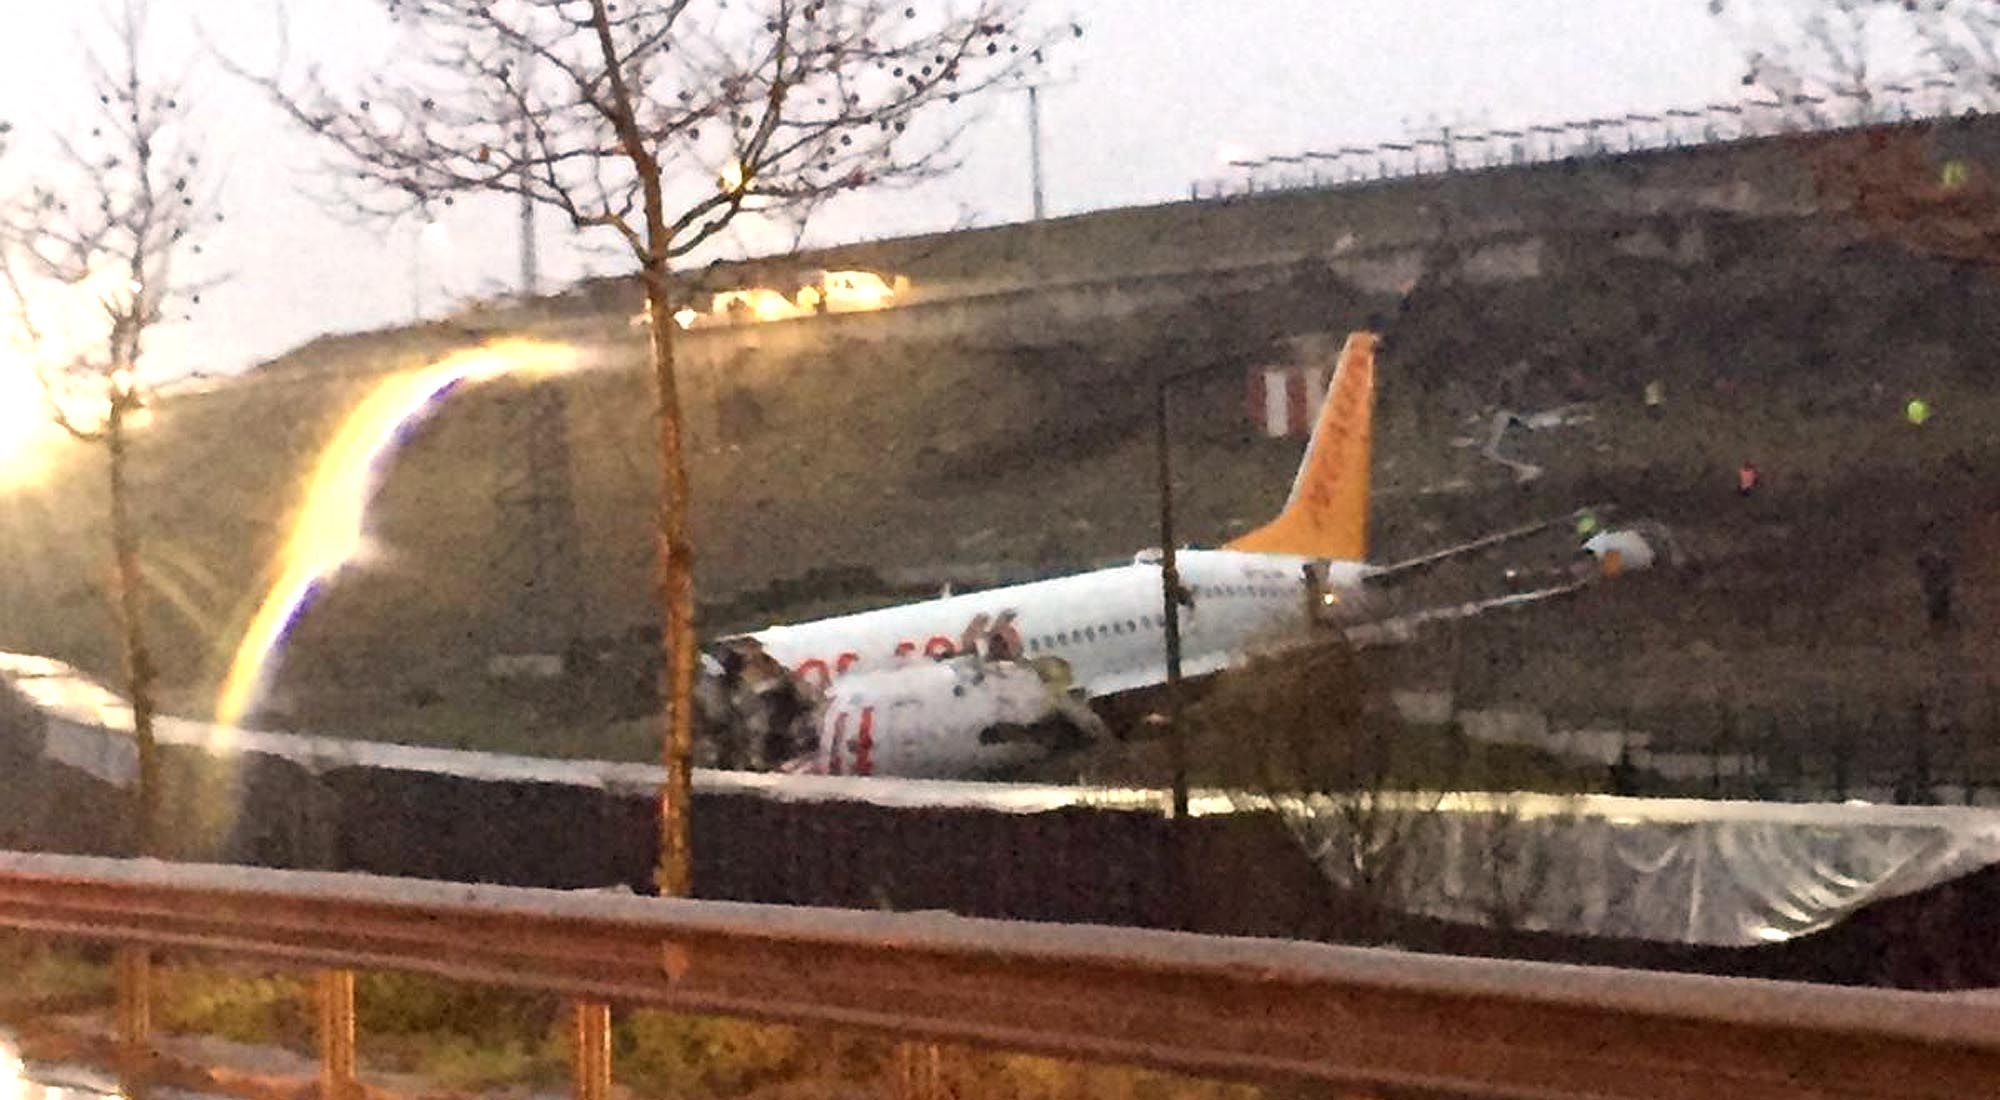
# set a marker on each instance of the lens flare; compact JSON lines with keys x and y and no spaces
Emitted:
{"x":26,"y":434}
{"x":330,"y":529}
{"x":60,"y":329}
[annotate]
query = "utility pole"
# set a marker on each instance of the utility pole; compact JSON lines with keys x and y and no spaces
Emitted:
{"x":1170,"y":594}
{"x":528,"y":258}
{"x":1035,"y":146}
{"x":528,"y":264}
{"x":417,"y":274}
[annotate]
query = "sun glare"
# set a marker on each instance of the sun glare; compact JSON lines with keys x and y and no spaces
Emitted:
{"x":25,"y":430}
{"x":58,"y":324}
{"x":329,"y":530}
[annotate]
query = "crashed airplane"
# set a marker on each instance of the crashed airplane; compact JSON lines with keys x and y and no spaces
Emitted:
{"x":975,"y":685}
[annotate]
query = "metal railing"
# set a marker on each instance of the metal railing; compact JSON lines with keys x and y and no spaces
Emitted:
{"x":1250,"y":1009}
{"x":1448,"y":150}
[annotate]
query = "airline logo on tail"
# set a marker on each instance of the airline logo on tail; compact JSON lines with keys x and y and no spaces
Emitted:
{"x":1327,"y":514}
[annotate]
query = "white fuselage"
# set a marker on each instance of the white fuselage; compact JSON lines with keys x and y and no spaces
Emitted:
{"x":1107,"y":625}
{"x":933,"y":720}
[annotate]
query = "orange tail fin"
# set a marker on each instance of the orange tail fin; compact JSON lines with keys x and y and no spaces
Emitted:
{"x":1327,"y":513}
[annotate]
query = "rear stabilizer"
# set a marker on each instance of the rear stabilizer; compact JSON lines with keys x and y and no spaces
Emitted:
{"x":1327,"y":514}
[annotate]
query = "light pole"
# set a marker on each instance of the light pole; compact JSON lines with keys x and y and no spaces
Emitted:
{"x":1035,"y":145}
{"x":1171,"y":592}
{"x":430,"y":234}
{"x":530,"y":264}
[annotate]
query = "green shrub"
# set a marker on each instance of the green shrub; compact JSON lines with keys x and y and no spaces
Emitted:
{"x":663,"y":1054}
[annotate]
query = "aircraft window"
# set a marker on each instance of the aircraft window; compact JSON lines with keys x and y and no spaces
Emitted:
{"x":1034,"y":644}
{"x":1062,"y":638}
{"x":1090,"y":633}
{"x":1131,"y":627}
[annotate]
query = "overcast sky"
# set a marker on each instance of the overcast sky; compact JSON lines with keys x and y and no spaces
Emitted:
{"x":1162,"y":92}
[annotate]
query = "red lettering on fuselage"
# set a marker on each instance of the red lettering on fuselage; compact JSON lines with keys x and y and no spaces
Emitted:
{"x":821,"y":673}
{"x":862,"y":747}
{"x":864,"y":744}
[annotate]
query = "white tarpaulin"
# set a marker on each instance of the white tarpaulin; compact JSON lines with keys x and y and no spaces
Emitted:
{"x":1666,"y":870}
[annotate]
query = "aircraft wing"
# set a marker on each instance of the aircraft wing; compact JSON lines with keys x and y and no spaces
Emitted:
{"x":1391,"y":631}
{"x":1391,"y":574}
{"x":1403,"y":628}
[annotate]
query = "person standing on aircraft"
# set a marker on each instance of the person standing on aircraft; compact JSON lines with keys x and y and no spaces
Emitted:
{"x":1747,"y":477}
{"x":973,"y":638}
{"x":1001,"y":639}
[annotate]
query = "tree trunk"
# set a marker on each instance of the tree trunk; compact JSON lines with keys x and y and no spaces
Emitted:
{"x":675,"y":875}
{"x":139,"y":673}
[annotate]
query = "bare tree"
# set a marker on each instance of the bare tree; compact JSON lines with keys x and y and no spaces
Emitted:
{"x":1865,"y":63}
{"x":659,"y":124}
{"x":1304,"y":732}
{"x":112,"y":224}
{"x":1855,"y":62}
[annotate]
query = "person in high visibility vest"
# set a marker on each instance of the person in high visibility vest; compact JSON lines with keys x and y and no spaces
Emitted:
{"x":1586,"y":524}
{"x":1917,"y":412}
{"x":1954,"y":175}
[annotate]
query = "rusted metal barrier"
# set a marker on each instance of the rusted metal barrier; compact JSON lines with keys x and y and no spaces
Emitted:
{"x":1252,"y":1009}
{"x":334,"y":992}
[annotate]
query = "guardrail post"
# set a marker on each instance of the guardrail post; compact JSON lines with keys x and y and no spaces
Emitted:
{"x":133,"y":973}
{"x":919,"y":1071}
{"x":335,"y":994}
{"x":590,"y":1050}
